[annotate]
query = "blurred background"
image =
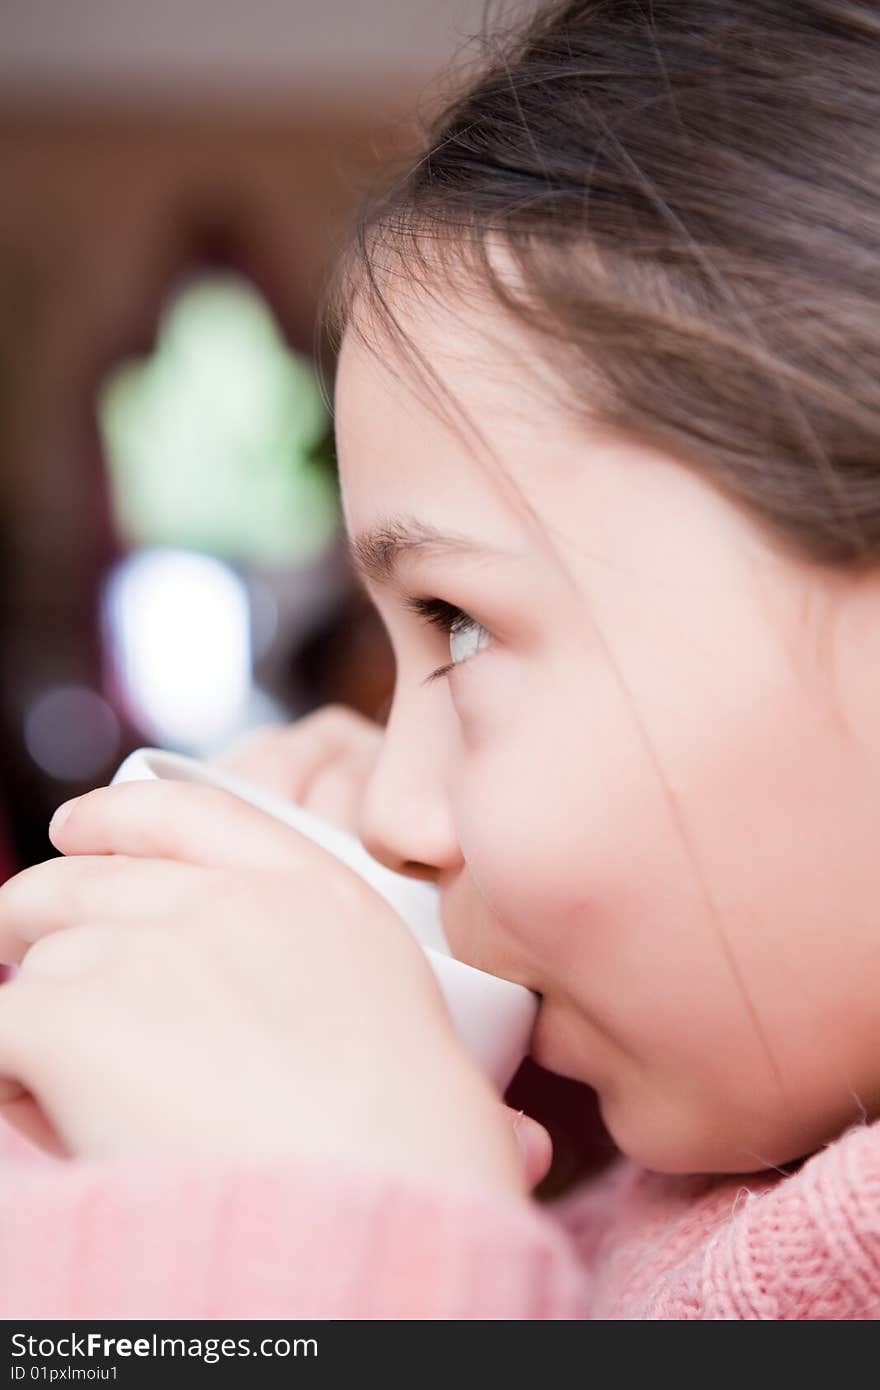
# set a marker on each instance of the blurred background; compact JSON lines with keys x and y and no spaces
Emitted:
{"x":176,"y":178}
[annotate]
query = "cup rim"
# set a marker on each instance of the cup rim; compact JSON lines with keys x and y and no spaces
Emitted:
{"x":224,"y":782}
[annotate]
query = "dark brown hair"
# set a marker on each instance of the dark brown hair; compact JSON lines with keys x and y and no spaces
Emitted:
{"x":690,"y":193}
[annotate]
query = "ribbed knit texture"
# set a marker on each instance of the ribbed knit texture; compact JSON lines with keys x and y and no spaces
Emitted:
{"x":301,"y":1239}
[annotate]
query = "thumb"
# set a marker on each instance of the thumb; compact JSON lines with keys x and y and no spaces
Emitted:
{"x":535,"y":1144}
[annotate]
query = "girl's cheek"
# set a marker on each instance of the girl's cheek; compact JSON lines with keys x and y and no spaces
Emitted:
{"x":477,"y":717}
{"x":490,"y":695}
{"x":523,"y":805}
{"x":499,"y":825}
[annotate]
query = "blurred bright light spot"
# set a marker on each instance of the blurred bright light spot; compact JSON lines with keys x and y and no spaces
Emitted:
{"x":209,"y":440}
{"x":178,"y":627}
{"x":71,"y":733}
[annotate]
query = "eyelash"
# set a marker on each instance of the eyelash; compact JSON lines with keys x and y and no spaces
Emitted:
{"x":445,"y":616}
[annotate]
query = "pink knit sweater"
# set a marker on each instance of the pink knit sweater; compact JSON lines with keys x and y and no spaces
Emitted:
{"x":299,"y":1239}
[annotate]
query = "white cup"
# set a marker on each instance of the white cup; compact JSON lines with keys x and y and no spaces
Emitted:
{"x":493,"y":1017}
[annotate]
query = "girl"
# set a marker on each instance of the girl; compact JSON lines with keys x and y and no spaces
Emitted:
{"x":608,"y":424}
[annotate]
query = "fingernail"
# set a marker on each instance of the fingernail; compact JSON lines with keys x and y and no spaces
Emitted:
{"x":62,"y":814}
{"x":517,"y":1131}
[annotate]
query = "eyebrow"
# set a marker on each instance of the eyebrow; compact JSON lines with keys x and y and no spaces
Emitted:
{"x":376,"y":553}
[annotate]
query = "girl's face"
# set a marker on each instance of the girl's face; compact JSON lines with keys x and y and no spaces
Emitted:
{"x":649,"y":788}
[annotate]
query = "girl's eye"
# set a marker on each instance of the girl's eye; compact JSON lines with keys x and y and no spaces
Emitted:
{"x":457,"y":623}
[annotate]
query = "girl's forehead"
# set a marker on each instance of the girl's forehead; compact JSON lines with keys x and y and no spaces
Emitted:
{"x":580,"y":501}
{"x":506,"y":460}
{"x":457,"y":452}
{"x":450,"y":357}
{"x":488,"y":453}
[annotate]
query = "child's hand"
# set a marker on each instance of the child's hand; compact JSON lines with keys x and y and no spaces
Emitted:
{"x":322,"y":761}
{"x":199,"y":979}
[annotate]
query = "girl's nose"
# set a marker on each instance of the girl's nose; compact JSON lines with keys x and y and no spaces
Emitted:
{"x":405,"y":815}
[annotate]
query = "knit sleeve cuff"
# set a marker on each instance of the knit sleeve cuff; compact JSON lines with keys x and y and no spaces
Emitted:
{"x":273,"y":1239}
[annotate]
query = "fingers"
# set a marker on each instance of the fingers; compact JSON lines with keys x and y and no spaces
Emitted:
{"x":188,"y":822}
{"x":261,"y":757}
{"x":336,"y":793}
{"x":344,"y":738}
{"x":24,"y":1113}
{"x":23,"y":1038}
{"x":535,"y":1145}
{"x":62,"y":893}
{"x":291,"y":760}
